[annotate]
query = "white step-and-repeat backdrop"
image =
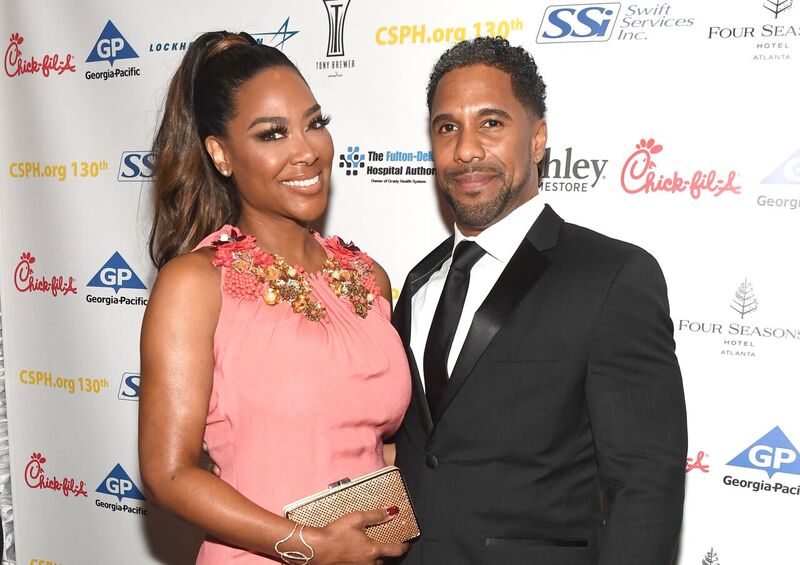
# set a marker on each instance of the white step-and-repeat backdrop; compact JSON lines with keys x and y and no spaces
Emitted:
{"x":673,"y":125}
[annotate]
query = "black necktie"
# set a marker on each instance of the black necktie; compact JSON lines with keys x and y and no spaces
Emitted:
{"x":445,"y":320}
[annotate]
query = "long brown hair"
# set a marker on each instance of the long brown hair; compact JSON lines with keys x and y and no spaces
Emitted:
{"x":191,"y":198}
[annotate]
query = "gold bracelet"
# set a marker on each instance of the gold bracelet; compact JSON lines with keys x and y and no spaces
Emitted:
{"x":294,"y":557}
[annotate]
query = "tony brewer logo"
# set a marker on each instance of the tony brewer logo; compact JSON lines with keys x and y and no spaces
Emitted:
{"x":773,"y":453}
{"x":119,"y":484}
{"x":110,"y":47}
{"x":335,"y":61}
{"x":389,"y":166}
{"x":116,"y":274}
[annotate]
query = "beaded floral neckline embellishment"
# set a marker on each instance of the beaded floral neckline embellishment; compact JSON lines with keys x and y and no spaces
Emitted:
{"x":251,"y":273}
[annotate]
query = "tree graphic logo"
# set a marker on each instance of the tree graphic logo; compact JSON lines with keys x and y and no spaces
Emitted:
{"x":711,"y":558}
{"x":777,"y":7}
{"x":744,"y":301}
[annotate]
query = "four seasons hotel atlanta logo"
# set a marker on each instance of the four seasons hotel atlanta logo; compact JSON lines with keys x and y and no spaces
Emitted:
{"x":711,"y":558}
{"x":740,"y":336}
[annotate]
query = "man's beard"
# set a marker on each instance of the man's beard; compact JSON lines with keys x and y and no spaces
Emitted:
{"x":484,"y":214}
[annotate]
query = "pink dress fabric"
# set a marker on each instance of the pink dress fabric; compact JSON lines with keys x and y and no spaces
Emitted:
{"x":295,"y":404}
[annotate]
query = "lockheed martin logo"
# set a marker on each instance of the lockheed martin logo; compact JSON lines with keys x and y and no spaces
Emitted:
{"x":110,"y":46}
{"x":279,"y":37}
{"x":773,"y":453}
{"x":786,"y":173}
{"x":337,"y":12}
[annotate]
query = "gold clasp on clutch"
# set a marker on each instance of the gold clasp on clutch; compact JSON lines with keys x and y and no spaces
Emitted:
{"x":339,"y":483}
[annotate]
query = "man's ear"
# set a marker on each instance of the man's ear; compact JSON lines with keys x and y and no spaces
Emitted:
{"x":539,"y":145}
{"x":216,"y":149}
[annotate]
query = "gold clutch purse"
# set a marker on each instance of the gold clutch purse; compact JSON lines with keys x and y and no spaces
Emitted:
{"x":382,"y":489}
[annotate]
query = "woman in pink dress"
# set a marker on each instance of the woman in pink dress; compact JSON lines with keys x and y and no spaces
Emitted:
{"x":264,"y":340}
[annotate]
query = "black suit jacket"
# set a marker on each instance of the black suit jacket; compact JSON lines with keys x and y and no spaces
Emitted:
{"x":566,"y":393}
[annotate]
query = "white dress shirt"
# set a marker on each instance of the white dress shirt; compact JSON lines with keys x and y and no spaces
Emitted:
{"x":500,"y":241}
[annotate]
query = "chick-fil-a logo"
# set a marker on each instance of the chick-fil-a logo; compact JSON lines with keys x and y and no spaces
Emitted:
{"x":17,"y":65}
{"x":36,"y":479}
{"x":693,"y":463}
{"x":25,"y":281}
{"x":639,"y":175}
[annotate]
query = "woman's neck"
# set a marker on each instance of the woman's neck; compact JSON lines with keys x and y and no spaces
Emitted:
{"x":288,"y":238}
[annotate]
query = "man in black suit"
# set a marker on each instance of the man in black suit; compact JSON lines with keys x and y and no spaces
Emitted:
{"x":548,"y":423}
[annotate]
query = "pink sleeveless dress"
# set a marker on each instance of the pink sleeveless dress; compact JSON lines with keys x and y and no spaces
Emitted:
{"x":305,"y":388}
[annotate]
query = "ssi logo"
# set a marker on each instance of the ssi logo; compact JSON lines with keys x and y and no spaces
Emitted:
{"x":129,"y":387}
{"x":773,"y":453}
{"x":136,"y":166}
{"x":578,"y":22}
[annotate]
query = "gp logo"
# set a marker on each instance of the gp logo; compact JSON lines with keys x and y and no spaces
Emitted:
{"x":772,"y":453}
{"x":116,"y":274}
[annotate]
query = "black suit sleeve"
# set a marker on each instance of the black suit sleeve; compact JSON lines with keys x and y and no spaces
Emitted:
{"x":638,"y":417}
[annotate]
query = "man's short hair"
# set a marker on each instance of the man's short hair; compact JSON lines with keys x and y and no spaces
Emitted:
{"x":526,"y":83}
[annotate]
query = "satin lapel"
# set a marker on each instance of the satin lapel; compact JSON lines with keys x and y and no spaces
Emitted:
{"x":519,"y":276}
{"x":401,"y":319}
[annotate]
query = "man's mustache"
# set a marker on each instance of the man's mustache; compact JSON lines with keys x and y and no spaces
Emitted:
{"x":453,"y":174}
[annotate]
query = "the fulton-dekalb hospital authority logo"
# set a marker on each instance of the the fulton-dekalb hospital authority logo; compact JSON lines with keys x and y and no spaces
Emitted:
{"x":772,"y":453}
{"x":120,"y":485}
{"x":388,"y":166}
{"x":117,"y":274}
{"x":110,"y":47}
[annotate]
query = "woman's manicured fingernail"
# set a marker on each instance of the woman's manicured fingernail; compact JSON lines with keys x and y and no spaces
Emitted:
{"x":392,"y":510}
